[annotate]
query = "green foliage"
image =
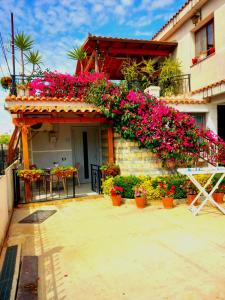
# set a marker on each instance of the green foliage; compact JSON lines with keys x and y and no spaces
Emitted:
{"x":4,"y":139}
{"x":127,"y":183}
{"x":170,"y":68}
{"x":138,"y":75}
{"x":78,"y":54}
{"x":153,"y":193}
{"x":23,"y":41}
{"x":34,"y":57}
{"x":107,"y":185}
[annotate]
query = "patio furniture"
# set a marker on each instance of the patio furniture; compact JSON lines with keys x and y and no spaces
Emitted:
{"x":190,"y":172}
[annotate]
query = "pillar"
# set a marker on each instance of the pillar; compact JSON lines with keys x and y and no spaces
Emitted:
{"x":110,"y":145}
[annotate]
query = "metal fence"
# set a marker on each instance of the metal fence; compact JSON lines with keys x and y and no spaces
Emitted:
{"x":48,"y":187}
{"x":96,"y":179}
{"x":3,"y":158}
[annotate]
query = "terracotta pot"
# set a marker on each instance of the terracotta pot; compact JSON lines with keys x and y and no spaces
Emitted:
{"x":218,"y":197}
{"x":167,"y":202}
{"x":116,"y":200}
{"x":140,"y":202}
{"x":190,"y":199}
{"x":170,"y":164}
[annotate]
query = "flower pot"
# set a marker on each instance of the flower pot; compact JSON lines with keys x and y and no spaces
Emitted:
{"x":218,"y":197}
{"x":190,"y":199}
{"x":116,"y":200}
{"x":212,"y":50}
{"x":170,"y":164}
{"x":167,"y":202}
{"x":140,"y":202}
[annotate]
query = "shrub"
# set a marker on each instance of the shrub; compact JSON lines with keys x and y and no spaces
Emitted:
{"x":153,"y":193}
{"x":107,"y":185}
{"x":127,"y":183}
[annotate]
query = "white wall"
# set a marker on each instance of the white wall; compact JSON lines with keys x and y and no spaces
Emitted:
{"x":6,"y":201}
{"x":211,"y":69}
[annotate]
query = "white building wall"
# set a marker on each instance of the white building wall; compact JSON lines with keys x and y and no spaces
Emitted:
{"x":211,"y":69}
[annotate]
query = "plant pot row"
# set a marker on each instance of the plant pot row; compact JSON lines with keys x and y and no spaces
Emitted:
{"x":117,"y":201}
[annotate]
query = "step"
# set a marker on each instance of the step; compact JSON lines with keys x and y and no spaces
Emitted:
{"x":10,"y":263}
{"x":28,"y":280}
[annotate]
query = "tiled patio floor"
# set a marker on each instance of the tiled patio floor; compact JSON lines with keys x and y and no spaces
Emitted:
{"x":91,"y":250}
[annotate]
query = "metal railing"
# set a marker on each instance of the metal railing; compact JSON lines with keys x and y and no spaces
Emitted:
{"x":180,"y":84}
{"x":3,"y":158}
{"x":96,"y":179}
{"x":47,"y":188}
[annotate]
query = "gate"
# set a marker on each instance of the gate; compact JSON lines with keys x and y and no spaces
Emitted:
{"x":96,"y":179}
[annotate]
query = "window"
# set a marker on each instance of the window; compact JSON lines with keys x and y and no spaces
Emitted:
{"x":204,"y":40}
{"x":199,"y":120}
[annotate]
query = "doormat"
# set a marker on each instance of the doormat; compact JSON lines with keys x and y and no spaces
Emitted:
{"x":38,"y":216}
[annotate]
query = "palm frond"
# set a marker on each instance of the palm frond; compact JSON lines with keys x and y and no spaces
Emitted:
{"x":23,"y":42}
{"x":34,"y":57}
{"x":77,"y":54}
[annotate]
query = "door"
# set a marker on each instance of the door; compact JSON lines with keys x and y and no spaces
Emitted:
{"x":85,"y":143}
{"x":221,"y":122}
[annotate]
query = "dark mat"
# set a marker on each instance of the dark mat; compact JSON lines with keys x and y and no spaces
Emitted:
{"x":38,"y":216}
{"x":28,"y":281}
{"x":6,"y":276}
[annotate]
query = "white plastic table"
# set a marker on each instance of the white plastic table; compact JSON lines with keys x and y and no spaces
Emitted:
{"x":190,"y":172}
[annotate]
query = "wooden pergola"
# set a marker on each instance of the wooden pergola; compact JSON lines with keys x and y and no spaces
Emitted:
{"x":106,"y":54}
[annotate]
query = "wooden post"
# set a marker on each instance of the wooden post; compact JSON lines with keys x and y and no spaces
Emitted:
{"x":110,"y":145}
{"x":96,"y":61}
{"x":26,"y":163}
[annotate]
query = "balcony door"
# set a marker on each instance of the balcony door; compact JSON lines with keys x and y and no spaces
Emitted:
{"x":221,"y":122}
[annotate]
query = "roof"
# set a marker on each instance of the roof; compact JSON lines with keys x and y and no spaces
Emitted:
{"x":172,"y":18}
{"x":112,"y":51}
{"x":41,"y":99}
{"x":180,"y":99}
{"x":50,"y":109}
{"x":210,"y":86}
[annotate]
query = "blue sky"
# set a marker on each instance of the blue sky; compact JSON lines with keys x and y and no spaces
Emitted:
{"x":58,"y":26}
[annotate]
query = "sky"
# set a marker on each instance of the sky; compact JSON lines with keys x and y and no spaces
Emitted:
{"x":58,"y":26}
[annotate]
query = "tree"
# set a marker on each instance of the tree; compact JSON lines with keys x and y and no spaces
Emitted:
{"x":34,"y":57}
{"x":4,"y":139}
{"x":78,"y":54}
{"x":24,"y":43}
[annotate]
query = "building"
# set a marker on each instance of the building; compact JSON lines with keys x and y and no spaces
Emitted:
{"x":67,"y":131}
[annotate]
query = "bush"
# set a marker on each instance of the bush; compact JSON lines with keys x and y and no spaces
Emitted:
{"x":107,"y":185}
{"x":153,"y":193}
{"x":127,"y":183}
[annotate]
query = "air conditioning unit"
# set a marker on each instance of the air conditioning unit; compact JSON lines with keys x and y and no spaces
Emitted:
{"x":42,"y":127}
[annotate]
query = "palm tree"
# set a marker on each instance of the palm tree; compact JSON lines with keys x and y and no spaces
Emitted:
{"x":24,"y":43}
{"x":34,"y":57}
{"x":78,"y":54}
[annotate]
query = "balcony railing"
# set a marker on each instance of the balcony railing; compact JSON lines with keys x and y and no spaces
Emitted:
{"x":174,"y":85}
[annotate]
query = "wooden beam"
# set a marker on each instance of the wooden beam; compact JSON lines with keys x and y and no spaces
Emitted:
{"x":33,"y":121}
{"x":96,"y":62}
{"x":26,"y":162}
{"x":89,"y":61}
{"x":130,"y":51}
{"x":110,"y":145}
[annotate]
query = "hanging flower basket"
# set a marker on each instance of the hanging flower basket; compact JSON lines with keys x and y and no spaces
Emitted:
{"x":63,"y":172}
{"x":6,"y":82}
{"x":30,"y":175}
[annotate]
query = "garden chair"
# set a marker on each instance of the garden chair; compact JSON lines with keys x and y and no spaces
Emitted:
{"x":77,"y":166}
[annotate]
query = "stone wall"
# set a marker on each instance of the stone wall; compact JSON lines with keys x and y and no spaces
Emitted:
{"x":135,"y":161}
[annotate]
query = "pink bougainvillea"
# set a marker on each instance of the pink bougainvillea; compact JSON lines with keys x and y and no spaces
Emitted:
{"x":54,"y":84}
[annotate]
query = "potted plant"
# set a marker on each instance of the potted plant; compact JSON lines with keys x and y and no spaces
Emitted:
{"x":63,"y":172}
{"x":140,"y":194}
{"x":219,"y":193}
{"x":194,"y":60}
{"x":110,"y":170}
{"x":167,"y":192}
{"x":6,"y":82}
{"x":116,"y":195}
{"x":30,"y":175}
{"x":191,"y":192}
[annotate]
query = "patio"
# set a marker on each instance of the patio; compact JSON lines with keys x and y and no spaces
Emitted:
{"x":92,"y":250}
